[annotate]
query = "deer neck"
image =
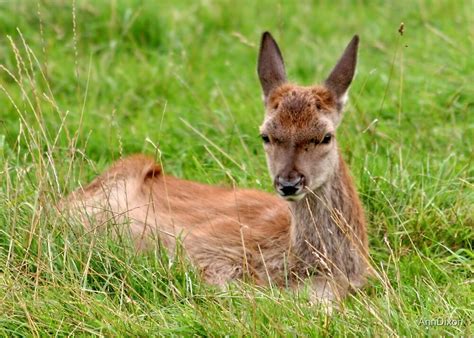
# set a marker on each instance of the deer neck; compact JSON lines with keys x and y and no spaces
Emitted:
{"x":328,"y":228}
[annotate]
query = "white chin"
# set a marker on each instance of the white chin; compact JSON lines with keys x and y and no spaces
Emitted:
{"x":294,"y":198}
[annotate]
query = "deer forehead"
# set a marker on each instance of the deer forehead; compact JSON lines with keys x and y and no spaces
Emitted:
{"x":299,"y":113}
{"x":294,"y":98}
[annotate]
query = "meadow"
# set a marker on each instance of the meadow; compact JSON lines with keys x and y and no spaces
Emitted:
{"x":85,"y":83}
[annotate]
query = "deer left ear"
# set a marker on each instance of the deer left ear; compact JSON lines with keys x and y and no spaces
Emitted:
{"x":271,"y":68}
{"x":341,"y":76}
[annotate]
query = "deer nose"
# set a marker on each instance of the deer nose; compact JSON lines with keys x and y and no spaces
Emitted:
{"x":288,"y":186}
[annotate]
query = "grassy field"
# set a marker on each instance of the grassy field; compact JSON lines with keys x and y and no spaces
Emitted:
{"x":84,"y":83}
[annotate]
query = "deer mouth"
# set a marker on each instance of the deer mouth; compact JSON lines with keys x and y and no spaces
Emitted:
{"x":294,"y":198}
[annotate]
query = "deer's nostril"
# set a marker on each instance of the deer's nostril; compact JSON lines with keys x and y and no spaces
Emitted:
{"x":288,"y":190}
{"x":289,"y":186}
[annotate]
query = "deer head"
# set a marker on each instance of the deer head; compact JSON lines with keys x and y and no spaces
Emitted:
{"x":299,"y":129}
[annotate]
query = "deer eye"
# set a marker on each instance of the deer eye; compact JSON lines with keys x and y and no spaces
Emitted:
{"x":326,"y":139}
{"x":265,"y":138}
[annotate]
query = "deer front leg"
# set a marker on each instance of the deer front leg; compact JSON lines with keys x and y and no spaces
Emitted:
{"x":323,"y":288}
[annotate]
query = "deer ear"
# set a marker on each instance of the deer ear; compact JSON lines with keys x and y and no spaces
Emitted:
{"x":341,"y":76}
{"x":271,"y":69}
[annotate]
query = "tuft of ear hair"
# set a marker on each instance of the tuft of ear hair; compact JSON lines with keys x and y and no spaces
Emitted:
{"x":271,"y":68}
{"x":341,"y":76}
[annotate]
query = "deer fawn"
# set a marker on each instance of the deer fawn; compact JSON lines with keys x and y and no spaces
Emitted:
{"x":318,"y":234}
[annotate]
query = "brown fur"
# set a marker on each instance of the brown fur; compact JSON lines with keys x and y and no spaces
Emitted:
{"x":226,"y":232}
{"x":233,"y":233}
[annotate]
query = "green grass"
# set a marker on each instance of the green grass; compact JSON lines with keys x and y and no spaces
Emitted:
{"x":83,"y":85}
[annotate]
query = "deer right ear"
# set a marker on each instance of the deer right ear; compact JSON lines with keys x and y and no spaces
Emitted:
{"x":271,"y":69}
{"x":341,"y":76}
